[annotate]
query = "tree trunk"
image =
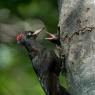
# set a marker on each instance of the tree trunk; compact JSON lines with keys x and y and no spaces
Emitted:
{"x":77,"y":26}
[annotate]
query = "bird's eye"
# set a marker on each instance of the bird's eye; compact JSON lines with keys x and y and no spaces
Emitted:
{"x":28,"y":34}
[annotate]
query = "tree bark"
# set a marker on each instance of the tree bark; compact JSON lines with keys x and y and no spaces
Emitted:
{"x":77,"y":26}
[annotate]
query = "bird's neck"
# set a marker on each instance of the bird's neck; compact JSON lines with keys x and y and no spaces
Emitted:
{"x":33,"y":49}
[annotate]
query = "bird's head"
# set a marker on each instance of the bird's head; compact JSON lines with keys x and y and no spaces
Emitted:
{"x":22,"y":37}
{"x":28,"y":40}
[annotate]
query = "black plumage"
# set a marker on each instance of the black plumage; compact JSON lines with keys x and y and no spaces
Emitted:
{"x":45,"y":63}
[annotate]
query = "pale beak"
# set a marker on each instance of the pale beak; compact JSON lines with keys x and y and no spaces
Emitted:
{"x":51,"y":36}
{"x":38,"y":31}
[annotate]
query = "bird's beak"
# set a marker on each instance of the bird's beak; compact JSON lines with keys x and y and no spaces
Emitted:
{"x":51,"y":37}
{"x":37,"y":31}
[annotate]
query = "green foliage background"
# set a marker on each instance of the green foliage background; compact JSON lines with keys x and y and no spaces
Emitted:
{"x":45,"y":10}
{"x":16,"y":74}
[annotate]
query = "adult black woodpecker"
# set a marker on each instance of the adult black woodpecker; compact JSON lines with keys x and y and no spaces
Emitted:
{"x":45,"y":63}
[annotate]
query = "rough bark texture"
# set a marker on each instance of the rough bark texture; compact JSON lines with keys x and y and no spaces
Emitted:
{"x":77,"y":25}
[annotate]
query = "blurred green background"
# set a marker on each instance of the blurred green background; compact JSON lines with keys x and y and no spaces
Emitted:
{"x":16,"y":73}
